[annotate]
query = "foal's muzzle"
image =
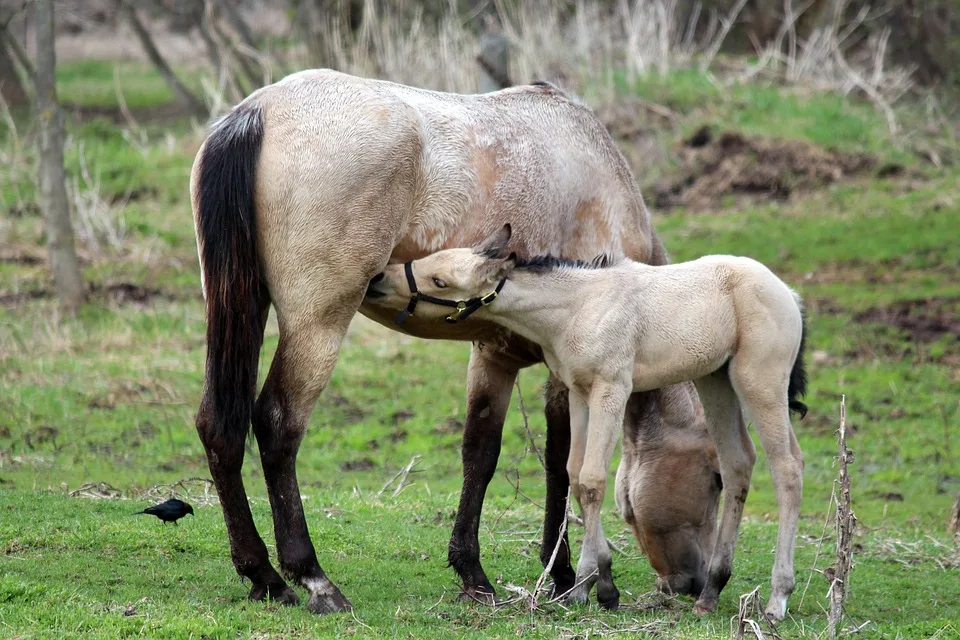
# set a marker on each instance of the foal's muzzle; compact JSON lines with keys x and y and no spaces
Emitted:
{"x":372,"y":291}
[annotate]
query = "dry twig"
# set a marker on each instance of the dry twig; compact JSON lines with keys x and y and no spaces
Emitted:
{"x":839,"y":574}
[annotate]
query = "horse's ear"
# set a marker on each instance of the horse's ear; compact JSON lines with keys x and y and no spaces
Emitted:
{"x":493,"y":245}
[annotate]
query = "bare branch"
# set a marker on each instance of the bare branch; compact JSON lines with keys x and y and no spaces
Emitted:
{"x":190,"y":101}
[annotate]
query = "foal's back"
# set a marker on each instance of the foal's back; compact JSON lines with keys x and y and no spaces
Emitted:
{"x":687,"y":319}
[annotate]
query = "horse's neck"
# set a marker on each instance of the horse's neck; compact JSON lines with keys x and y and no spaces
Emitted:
{"x":539,"y":306}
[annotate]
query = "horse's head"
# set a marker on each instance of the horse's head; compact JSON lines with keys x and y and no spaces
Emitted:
{"x":442,"y":279}
{"x":668,"y":490}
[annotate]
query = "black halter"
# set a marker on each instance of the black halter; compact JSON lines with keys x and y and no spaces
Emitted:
{"x":464,"y":308}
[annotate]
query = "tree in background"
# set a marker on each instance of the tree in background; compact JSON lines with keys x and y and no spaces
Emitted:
{"x":51,"y":174}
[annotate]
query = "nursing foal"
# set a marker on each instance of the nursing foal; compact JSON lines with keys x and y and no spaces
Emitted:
{"x":607,"y":330}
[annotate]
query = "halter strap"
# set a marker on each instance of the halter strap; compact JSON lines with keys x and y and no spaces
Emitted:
{"x":463,"y":308}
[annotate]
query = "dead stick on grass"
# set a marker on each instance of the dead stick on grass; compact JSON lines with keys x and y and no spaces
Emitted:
{"x":553,"y":556}
{"x":839,"y":575}
{"x":954,"y":527}
{"x":402,"y":474}
{"x":526,"y":423}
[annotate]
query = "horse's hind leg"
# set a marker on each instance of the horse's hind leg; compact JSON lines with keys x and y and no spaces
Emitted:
{"x":737,"y":456}
{"x":557,"y":413}
{"x":490,"y":378}
{"x":247,"y":549}
{"x":766,"y":407}
{"x":305,"y":358}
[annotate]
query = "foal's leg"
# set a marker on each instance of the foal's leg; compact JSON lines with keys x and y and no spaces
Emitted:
{"x":490,"y":379}
{"x":608,"y":403}
{"x":737,"y":456}
{"x":301,"y":369}
{"x":766,"y":407}
{"x":557,"y":413}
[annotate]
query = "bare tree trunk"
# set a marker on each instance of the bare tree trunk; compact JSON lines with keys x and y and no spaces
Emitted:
{"x":494,"y":57}
{"x":52,"y":178}
{"x":10,"y":86}
{"x":186,"y":98}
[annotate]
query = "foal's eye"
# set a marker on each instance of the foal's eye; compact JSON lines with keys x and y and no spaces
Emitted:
{"x":439,"y":284}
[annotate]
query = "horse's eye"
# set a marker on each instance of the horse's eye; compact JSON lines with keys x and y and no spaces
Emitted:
{"x":439,"y":284}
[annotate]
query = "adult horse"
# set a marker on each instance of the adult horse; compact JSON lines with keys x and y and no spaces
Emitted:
{"x":303,"y":193}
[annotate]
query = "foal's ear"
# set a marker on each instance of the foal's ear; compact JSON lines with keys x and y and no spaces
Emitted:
{"x":493,"y":245}
{"x":496,"y":269}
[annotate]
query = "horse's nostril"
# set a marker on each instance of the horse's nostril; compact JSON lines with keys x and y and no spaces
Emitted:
{"x":377,"y":278}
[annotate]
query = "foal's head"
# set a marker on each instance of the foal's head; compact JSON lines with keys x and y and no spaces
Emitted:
{"x":446,"y":276}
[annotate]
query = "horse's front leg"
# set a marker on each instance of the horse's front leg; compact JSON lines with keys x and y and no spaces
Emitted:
{"x":607,"y":407}
{"x":490,"y":379}
{"x":557,"y":413}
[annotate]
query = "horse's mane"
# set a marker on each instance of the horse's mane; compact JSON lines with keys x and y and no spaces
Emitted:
{"x":551,"y":263}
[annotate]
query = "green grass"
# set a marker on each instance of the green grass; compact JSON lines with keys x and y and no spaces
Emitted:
{"x":110,"y":396}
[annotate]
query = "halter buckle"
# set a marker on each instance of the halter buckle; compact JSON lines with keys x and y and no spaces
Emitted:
{"x":489,"y":298}
{"x":461,"y":307}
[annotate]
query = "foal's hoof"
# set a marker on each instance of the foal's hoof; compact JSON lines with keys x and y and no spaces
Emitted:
{"x":608,"y":597}
{"x":578,"y":595}
{"x":479,"y":595}
{"x":776,"y":609}
{"x":323,"y":603}
{"x":279,"y":593}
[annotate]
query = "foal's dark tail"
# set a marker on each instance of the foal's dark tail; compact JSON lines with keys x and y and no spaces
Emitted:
{"x":235,"y":295}
{"x":798,"y":375}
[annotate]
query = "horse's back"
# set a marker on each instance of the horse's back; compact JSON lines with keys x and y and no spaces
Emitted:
{"x":527,"y":155}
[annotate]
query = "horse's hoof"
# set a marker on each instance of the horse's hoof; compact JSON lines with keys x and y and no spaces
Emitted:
{"x":328,"y":603}
{"x":279,"y":593}
{"x":703,"y":607}
{"x":560,"y":591}
{"x":479,"y":595}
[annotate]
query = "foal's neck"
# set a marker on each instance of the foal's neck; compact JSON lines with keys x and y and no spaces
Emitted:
{"x":539,"y":305}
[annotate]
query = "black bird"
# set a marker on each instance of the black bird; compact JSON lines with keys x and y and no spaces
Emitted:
{"x":169,"y":511}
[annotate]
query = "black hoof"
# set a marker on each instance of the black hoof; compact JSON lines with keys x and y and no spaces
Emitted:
{"x":279,"y":593}
{"x":480,"y":595}
{"x":608,"y":598}
{"x":561,"y":589}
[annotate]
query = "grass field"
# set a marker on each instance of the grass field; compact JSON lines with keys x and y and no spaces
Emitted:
{"x":110,"y":396}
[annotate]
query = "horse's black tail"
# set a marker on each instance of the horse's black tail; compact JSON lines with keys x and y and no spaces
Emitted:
{"x":234,"y":293}
{"x":798,"y":375}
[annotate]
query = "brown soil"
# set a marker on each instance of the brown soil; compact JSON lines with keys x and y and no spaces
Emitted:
{"x":363,"y":464}
{"x":717,"y":167}
{"x":122,"y":293}
{"x":924,"y":320}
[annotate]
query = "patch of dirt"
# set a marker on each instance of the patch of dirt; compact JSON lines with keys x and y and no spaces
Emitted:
{"x":363,"y":464}
{"x":401,"y":416}
{"x":40,"y":435}
{"x":126,"y":293}
{"x":27,"y":209}
{"x":27,"y":255}
{"x":640,"y":129}
{"x":121,"y":293}
{"x":718,"y":167}
{"x":450,"y":425}
{"x":924,"y":320}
